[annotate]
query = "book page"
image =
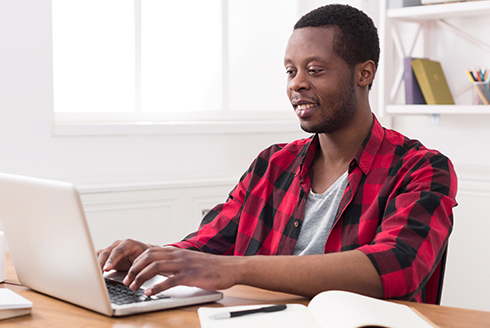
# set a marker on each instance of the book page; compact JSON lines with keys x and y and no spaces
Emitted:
{"x":10,"y":300}
{"x":348,"y":310}
{"x":296,"y":315}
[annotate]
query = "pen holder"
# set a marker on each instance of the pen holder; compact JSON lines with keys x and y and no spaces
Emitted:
{"x":481,"y":93}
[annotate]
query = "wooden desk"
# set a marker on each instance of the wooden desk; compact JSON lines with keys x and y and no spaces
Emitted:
{"x":49,"y":312}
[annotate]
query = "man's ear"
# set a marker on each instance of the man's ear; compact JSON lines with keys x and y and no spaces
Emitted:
{"x":365,"y":73}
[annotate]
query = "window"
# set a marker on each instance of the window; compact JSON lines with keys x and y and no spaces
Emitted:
{"x":173,"y":60}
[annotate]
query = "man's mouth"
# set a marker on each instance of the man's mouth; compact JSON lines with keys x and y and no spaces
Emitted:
{"x":303,"y":107}
{"x":305,"y":110}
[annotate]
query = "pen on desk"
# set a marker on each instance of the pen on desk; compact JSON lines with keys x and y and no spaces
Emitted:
{"x":266,"y":309}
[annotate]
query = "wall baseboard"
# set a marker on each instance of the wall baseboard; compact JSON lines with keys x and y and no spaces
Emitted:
{"x":157,"y":213}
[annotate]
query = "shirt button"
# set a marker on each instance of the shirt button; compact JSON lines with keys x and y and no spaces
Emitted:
{"x":296,"y":223}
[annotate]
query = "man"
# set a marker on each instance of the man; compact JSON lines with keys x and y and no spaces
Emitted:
{"x":367,"y":209}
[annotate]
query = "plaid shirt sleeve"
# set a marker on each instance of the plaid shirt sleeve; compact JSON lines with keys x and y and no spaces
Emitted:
{"x":412,"y":237}
{"x":263,"y":212}
{"x":398,"y":211}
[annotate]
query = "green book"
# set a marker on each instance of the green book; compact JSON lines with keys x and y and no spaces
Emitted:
{"x":432,"y":82}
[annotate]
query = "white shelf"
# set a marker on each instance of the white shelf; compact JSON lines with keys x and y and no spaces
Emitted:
{"x":440,"y":11}
{"x":437,"y":109}
{"x":423,"y":15}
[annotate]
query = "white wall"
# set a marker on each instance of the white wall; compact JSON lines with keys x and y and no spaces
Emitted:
{"x":29,"y":147}
{"x":106,"y":163}
{"x":166,"y":180}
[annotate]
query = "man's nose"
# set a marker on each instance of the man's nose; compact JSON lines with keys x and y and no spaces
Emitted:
{"x":299,"y":82}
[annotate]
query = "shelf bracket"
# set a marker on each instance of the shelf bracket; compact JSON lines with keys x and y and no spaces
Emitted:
{"x":435,"y":119}
{"x":401,"y":54}
{"x":464,"y":35}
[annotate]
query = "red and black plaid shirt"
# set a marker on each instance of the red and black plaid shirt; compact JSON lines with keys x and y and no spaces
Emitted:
{"x":397,"y":209}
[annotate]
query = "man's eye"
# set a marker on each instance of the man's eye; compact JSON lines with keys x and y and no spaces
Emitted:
{"x":314,"y":71}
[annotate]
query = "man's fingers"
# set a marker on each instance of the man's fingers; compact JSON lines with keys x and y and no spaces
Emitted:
{"x":184,"y":268}
{"x":120,"y":254}
{"x":164,"y":285}
{"x":115,"y":256}
{"x":148,"y":265}
{"x":102,"y":256}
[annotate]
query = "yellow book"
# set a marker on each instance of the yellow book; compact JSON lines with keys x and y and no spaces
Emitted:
{"x":432,"y":82}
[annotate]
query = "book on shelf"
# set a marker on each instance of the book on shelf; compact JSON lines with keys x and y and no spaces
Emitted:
{"x":328,"y":309}
{"x":12,"y":304}
{"x":432,"y":82}
{"x":413,"y":94}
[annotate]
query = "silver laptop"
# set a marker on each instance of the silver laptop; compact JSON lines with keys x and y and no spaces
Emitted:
{"x":52,"y":251}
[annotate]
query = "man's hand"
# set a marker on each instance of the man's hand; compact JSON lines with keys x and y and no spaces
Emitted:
{"x":120,"y":255}
{"x":182,"y":267}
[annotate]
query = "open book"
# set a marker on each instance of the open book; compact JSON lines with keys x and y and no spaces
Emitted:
{"x":328,"y":309}
{"x":12,"y":304}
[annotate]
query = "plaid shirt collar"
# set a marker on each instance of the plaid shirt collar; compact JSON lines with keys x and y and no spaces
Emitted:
{"x":369,"y":148}
{"x":364,"y":157}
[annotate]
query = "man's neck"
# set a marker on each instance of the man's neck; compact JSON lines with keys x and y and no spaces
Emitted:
{"x":337,"y":150}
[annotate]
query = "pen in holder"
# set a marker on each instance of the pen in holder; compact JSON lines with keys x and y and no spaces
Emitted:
{"x":481,"y":93}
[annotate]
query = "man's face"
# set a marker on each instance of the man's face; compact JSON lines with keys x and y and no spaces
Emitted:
{"x":320,"y":84}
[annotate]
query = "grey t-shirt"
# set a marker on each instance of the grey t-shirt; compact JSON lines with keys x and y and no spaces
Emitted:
{"x":319,"y":218}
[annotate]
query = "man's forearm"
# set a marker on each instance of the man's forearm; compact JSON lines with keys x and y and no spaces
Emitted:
{"x":301,"y":275}
{"x":310,"y":275}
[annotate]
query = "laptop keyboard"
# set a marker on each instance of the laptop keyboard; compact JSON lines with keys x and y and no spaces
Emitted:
{"x":120,"y":294}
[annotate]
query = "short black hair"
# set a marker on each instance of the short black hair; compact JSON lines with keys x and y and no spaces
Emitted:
{"x":357,"y":38}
